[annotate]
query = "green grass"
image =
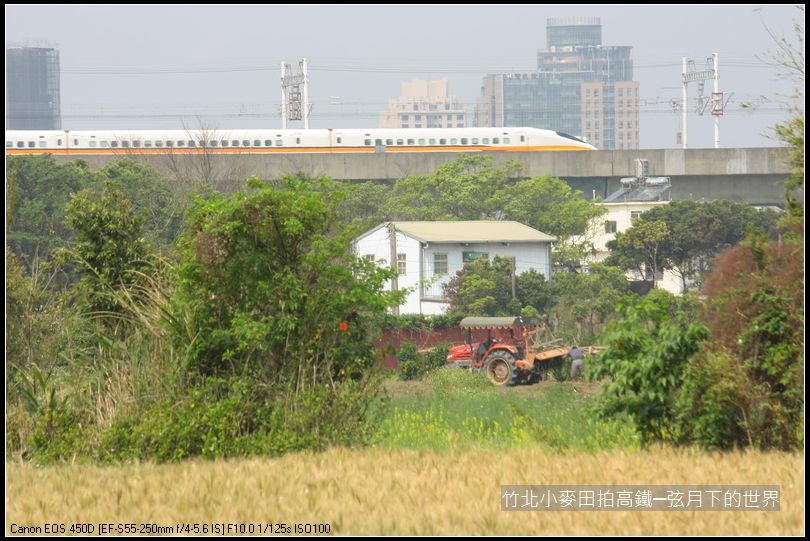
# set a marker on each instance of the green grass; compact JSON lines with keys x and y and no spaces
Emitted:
{"x":464,"y":410}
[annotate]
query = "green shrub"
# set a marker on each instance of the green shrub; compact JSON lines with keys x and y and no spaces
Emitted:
{"x":413,"y":365}
{"x":243,"y":417}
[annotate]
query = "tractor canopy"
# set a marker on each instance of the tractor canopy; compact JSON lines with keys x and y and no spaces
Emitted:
{"x":497,"y":322}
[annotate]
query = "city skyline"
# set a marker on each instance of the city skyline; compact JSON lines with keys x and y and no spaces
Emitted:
{"x":169,"y":66}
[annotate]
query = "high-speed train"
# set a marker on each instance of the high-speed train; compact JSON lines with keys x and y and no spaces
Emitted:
{"x":234,"y":141}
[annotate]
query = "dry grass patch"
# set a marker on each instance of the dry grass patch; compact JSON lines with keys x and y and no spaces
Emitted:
{"x":403,"y":492}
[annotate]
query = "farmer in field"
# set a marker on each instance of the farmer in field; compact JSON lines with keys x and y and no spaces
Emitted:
{"x":578,"y":361}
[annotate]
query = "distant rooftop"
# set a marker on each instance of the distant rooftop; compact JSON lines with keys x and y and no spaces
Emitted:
{"x":639,"y":194}
{"x":572,"y":21}
{"x":470,"y":231}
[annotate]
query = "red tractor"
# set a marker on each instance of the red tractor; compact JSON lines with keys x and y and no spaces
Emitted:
{"x":513,"y":351}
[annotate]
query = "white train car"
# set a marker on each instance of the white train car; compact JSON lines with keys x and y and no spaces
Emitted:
{"x":228,"y":141}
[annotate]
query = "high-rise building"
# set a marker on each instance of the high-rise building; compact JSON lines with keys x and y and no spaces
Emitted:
{"x":424,"y":104}
{"x":581,"y":87}
{"x":32,"y":89}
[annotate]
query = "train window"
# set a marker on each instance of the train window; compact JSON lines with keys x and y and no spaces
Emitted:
{"x":338,"y":140}
{"x":378,"y":142}
{"x":158,"y":143}
{"x":279,"y":143}
{"x":245,"y":143}
{"x":92,"y":144}
{"x":125,"y":144}
{"x":75,"y":142}
{"x":234,"y":143}
{"x":400,"y":142}
{"x":9,"y":144}
{"x":496,"y":140}
{"x":297,"y":140}
{"x":42,"y":144}
{"x":257,"y":142}
{"x":20,"y":144}
{"x":442,"y":141}
{"x":475,"y":140}
{"x":105,"y":144}
{"x":169,"y":144}
{"x":181,"y":143}
{"x":410,"y":141}
{"x":147,"y":144}
{"x":506,"y":140}
{"x":268,"y":142}
{"x":485,"y":141}
{"x":223,"y":143}
{"x":114,"y":144}
{"x":213,"y":143}
{"x":193,"y":144}
{"x":59,"y":142}
{"x":522,"y":138}
{"x":367,"y":142}
{"x":453,"y":141}
{"x":464,"y":140}
{"x":389,"y":142}
{"x":421,"y":141}
{"x":431,"y":141}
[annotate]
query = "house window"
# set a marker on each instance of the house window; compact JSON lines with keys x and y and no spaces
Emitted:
{"x":634,"y":214}
{"x":610,"y":226}
{"x":439,"y":264}
{"x":401,"y":267}
{"x":369,"y":258}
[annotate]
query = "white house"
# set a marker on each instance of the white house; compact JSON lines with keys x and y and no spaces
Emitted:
{"x":429,"y":254}
{"x":623,"y":207}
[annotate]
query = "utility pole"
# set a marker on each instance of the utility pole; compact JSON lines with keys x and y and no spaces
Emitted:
{"x":392,"y":243}
{"x":691,"y":74}
{"x":717,"y":112}
{"x":283,"y":96}
{"x":514,"y":285}
{"x":685,"y":98}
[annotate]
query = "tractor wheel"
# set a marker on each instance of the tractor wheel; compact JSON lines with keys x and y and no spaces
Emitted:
{"x":500,"y":368}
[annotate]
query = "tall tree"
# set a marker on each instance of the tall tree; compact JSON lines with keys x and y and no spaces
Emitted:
{"x":550,"y":205}
{"x":700,"y":231}
{"x":275,"y":288}
{"x":468,"y":188}
{"x":641,"y":248}
{"x":39,"y":191}
{"x":110,"y":247}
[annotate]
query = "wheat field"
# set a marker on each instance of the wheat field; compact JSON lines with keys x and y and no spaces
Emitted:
{"x":376,"y":491}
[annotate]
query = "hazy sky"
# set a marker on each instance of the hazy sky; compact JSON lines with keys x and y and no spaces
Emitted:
{"x":157,"y":66}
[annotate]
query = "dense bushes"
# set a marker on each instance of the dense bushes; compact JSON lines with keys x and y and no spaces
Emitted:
{"x":227,"y":417}
{"x":727,"y":373}
{"x":415,"y":365}
{"x":259,"y":341}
